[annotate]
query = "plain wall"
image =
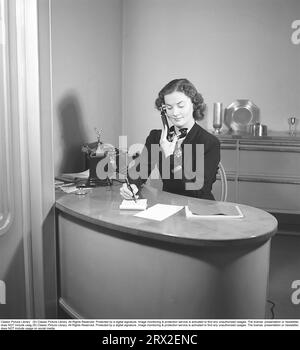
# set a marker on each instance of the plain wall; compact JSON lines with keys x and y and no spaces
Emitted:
{"x":86,"y":66}
{"x":111,"y":57}
{"x":230,"y":49}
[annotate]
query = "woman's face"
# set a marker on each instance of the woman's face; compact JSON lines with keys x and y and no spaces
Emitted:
{"x":179,"y":109}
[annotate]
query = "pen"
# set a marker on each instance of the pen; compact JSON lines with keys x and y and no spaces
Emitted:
{"x":128,"y":185}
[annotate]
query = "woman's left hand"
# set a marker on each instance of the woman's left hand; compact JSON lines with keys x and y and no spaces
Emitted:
{"x":167,"y":146}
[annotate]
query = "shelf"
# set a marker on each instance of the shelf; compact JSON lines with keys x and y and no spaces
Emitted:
{"x":272,"y":135}
{"x":264,"y":171}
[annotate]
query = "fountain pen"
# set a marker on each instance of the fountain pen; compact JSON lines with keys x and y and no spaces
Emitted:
{"x":129,"y":186}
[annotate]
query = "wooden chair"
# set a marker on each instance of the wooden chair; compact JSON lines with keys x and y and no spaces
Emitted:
{"x":223,"y":180}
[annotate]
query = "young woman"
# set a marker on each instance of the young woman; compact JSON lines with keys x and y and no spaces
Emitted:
{"x":183,"y":105}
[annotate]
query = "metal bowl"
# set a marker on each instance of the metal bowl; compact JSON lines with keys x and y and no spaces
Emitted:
{"x":258,"y":129}
{"x":240,"y":114}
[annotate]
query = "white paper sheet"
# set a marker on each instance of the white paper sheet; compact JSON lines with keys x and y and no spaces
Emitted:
{"x":159,"y":212}
{"x":140,"y":204}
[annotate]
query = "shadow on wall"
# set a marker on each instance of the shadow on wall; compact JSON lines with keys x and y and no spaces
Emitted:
{"x":73,"y":134}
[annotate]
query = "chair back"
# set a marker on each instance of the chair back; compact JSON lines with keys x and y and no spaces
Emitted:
{"x":223,"y":179}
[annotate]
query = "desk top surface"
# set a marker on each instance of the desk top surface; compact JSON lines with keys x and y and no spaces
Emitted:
{"x":101,"y":207}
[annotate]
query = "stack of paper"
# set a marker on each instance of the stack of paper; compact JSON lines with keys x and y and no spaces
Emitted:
{"x":74,"y":176}
{"x":159,"y":212}
{"x":69,"y":189}
{"x":140,"y":204}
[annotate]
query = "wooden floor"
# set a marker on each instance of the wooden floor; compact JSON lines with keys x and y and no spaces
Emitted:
{"x":284,"y":269}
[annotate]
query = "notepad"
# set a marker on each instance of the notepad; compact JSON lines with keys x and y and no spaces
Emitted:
{"x":216,"y":212}
{"x":140,"y":204}
{"x":159,"y":212}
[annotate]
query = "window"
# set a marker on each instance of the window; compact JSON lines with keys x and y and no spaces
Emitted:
{"x":5,"y":136}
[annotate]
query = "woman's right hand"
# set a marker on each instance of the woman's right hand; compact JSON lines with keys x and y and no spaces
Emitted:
{"x":126,"y":193}
{"x":167,"y":146}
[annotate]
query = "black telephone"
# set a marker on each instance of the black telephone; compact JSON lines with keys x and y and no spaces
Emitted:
{"x":163,"y":114}
{"x":164,"y":119}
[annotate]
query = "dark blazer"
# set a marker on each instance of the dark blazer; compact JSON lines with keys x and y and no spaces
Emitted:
{"x":197,"y":135}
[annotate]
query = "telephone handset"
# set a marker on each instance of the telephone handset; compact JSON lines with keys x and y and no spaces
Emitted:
{"x":163,"y":114}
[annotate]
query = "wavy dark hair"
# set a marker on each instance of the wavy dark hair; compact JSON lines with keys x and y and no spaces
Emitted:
{"x":185,"y":86}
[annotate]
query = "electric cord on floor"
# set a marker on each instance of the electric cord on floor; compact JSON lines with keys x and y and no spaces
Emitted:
{"x":272,"y":309}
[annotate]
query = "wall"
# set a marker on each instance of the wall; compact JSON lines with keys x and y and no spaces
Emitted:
{"x":86,"y":52}
{"x":230,"y":49}
{"x":107,"y":50}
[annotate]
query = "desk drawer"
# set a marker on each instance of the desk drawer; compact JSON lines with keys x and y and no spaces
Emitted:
{"x":270,"y":196}
{"x":269,"y":163}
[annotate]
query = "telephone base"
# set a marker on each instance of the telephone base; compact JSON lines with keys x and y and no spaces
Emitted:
{"x":95,"y":182}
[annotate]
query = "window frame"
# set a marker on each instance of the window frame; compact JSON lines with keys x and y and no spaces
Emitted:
{"x":6,"y":178}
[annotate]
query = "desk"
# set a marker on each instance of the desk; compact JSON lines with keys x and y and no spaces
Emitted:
{"x":114,"y":265}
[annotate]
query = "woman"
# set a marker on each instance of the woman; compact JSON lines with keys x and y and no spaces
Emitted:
{"x":184,"y":106}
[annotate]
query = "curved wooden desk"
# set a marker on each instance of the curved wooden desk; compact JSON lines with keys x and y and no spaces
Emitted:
{"x":118,"y":266}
